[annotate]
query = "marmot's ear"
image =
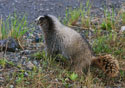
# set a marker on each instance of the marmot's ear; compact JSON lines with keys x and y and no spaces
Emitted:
{"x":46,"y":16}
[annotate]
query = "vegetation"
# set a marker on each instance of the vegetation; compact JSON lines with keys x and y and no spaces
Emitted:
{"x":52,"y":74}
{"x":14,"y":26}
{"x":111,"y":43}
{"x":72,"y":16}
{"x":123,"y":18}
{"x":4,"y":63}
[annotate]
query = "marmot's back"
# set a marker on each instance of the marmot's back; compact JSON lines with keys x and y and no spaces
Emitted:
{"x":72,"y":43}
{"x":60,"y":39}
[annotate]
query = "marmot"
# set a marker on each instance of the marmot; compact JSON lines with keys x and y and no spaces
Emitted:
{"x":60,"y":39}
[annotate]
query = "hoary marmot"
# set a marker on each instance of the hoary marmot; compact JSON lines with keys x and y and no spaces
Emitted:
{"x":60,"y":39}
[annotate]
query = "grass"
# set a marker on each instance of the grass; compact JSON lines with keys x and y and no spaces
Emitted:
{"x":111,"y":43}
{"x":82,"y":14}
{"x":14,"y":26}
{"x":123,"y":18}
{"x":71,"y":16}
{"x":49,"y":76}
{"x":108,"y":22}
{"x":85,"y":15}
{"x":39,"y":55}
{"x":111,"y":20}
{"x":4,"y":63}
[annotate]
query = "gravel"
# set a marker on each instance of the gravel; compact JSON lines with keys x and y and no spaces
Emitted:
{"x":34,"y":8}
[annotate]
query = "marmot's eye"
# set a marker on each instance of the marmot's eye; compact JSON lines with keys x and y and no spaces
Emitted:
{"x":41,"y":18}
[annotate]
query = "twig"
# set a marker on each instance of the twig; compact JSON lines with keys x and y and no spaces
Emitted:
{"x":20,"y":44}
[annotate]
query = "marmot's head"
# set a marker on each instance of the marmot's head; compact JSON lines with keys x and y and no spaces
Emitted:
{"x":47,"y":22}
{"x":44,"y":20}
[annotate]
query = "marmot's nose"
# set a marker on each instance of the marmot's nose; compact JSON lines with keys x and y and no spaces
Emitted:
{"x":36,"y":21}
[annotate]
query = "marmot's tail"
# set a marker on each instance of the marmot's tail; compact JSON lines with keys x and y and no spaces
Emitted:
{"x":108,"y":64}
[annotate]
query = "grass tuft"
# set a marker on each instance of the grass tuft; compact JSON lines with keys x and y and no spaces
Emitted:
{"x":14,"y":26}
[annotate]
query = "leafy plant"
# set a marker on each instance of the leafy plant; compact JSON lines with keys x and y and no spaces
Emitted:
{"x":20,"y":77}
{"x":4,"y":62}
{"x":73,"y":76}
{"x":38,"y":55}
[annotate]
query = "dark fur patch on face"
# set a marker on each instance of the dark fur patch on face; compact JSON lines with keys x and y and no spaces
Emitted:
{"x":45,"y":21}
{"x":42,"y":20}
{"x":50,"y":22}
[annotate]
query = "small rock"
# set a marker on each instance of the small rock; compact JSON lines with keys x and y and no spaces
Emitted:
{"x":25,"y":74}
{"x":16,"y":59}
{"x":1,"y":80}
{"x":122,"y":29}
{"x":1,"y":55}
{"x":83,"y":87}
{"x":0,"y":67}
{"x":29,"y":65}
{"x":31,"y":35}
{"x":37,"y":39}
{"x":29,"y":40}
{"x":9,"y":44}
{"x":35,"y":62}
{"x":47,"y":9}
{"x":23,"y":62}
{"x":11,"y":86}
{"x":108,"y":87}
{"x":24,"y":57}
{"x":16,"y":0}
{"x":25,"y":52}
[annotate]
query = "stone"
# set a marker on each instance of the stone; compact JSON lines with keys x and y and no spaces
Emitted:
{"x":35,"y":62}
{"x":25,"y":52}
{"x":26,"y":74}
{"x":9,"y":45}
{"x":122,"y":29}
{"x":29,"y":65}
{"x":37,"y":39}
{"x":1,"y":80}
{"x":1,"y":55}
{"x":11,"y":86}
